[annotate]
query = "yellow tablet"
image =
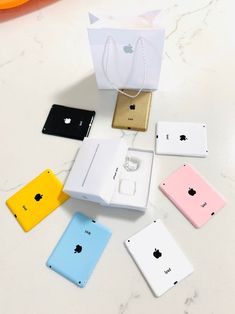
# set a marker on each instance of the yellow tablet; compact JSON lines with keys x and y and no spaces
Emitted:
{"x":37,"y":199}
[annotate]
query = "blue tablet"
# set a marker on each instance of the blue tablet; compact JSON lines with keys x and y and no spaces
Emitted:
{"x":79,"y":249}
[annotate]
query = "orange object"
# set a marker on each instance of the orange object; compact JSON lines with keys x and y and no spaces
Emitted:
{"x":7,"y":4}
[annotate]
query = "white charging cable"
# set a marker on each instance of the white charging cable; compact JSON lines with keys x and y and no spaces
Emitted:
{"x":110,"y":39}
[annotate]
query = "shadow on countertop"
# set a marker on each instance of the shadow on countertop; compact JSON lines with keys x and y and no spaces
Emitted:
{"x":95,"y":210}
{"x":86,"y":95}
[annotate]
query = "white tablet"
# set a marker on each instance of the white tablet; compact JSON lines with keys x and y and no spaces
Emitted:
{"x":158,"y":257}
{"x":181,"y":138}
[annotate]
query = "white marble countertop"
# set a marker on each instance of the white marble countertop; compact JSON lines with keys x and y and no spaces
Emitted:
{"x":45,"y":59}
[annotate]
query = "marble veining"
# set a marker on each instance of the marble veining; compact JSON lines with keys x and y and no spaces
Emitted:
{"x":63,"y":171}
{"x":188,"y":35}
{"x":13,"y":59}
{"x":6,"y":190}
{"x":39,"y":17}
{"x":183,"y":15}
{"x":123,"y":308}
{"x":59,"y":172}
{"x":189,"y":300}
{"x":38,"y":41}
{"x":225,"y":176}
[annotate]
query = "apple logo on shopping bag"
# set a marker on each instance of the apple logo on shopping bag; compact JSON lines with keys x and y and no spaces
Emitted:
{"x":128,"y":49}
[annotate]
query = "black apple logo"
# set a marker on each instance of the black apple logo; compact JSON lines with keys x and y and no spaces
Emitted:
{"x":157,"y":253}
{"x":191,"y":192}
{"x":78,"y":249}
{"x":183,"y":138}
{"x":132,"y":107}
{"x":38,"y":197}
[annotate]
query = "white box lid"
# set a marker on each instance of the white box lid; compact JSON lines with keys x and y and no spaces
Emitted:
{"x":96,"y":169}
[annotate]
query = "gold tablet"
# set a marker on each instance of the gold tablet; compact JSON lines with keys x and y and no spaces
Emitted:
{"x":132,"y":113}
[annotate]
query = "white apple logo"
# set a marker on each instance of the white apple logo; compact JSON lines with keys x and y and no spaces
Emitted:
{"x":67,"y":120}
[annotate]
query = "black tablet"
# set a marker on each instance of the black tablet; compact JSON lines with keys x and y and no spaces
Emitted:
{"x":69,"y":122}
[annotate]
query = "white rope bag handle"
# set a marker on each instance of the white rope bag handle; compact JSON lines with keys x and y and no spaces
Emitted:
{"x":104,"y":67}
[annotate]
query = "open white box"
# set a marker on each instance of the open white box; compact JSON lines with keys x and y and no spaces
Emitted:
{"x":107,"y":172}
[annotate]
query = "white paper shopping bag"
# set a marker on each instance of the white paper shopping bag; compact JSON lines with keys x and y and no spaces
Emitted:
{"x":127,"y":51}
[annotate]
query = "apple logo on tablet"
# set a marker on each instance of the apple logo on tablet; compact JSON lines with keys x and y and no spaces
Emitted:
{"x":128,"y":49}
{"x":38,"y":197}
{"x":191,"y":192}
{"x":78,"y":249}
{"x":183,"y":138}
{"x":67,"y":120}
{"x":132,"y":107}
{"x":157,"y":253}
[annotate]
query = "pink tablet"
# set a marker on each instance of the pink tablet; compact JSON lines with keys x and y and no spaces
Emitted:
{"x":192,"y":195}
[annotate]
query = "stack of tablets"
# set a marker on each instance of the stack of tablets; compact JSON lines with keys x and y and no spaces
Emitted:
{"x":108,"y":172}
